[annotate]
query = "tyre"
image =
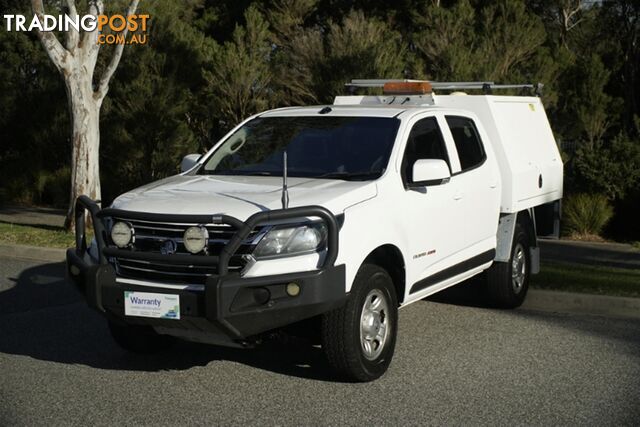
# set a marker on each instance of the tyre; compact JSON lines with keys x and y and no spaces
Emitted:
{"x":360,"y":337}
{"x":508,"y":282}
{"x":139,"y":339}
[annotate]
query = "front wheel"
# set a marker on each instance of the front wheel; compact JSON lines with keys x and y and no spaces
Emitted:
{"x":359,"y":338}
{"x":508,"y":282}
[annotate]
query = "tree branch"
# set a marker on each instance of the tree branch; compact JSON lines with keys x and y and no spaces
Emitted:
{"x":103,"y":86}
{"x":52,"y":46}
{"x":569,"y":11}
{"x":89,"y":44}
{"x":73,"y":36}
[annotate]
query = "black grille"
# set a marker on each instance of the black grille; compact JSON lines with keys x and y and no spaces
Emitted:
{"x":150,"y":237}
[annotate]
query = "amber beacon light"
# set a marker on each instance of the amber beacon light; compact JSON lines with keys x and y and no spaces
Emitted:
{"x":406,"y":88}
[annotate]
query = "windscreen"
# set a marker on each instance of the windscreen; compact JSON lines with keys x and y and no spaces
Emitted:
{"x":350,"y":148}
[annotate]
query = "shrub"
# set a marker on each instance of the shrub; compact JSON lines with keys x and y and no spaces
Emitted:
{"x":608,"y":167}
{"x":585,"y":215}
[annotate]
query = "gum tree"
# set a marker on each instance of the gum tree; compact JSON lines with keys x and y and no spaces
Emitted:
{"x":76,"y":61}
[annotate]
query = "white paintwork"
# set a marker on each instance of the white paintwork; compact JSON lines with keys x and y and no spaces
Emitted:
{"x":430,"y":170}
{"x":241,"y":196}
{"x":433,"y":227}
{"x":525,"y":148}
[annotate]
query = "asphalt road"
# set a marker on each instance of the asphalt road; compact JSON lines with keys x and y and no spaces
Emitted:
{"x":455,"y":364}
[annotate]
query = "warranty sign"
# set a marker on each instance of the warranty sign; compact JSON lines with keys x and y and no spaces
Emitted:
{"x":147,"y":304}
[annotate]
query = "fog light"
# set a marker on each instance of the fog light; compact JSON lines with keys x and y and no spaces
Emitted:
{"x":293,"y":289}
{"x":195,"y":239}
{"x":75,"y":270}
{"x":121,"y":234}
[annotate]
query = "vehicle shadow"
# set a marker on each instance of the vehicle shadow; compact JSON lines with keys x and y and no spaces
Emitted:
{"x":44,"y":317}
{"x":470,"y":293}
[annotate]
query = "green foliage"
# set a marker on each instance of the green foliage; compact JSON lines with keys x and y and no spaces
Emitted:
{"x":466,"y":42}
{"x":297,"y":49}
{"x":611,"y":169}
{"x":239,"y":75}
{"x":357,"y":47}
{"x":33,"y":131}
{"x":52,"y":188}
{"x":586,"y":214}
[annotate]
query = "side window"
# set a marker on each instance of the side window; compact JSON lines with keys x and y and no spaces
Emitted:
{"x":465,"y":135}
{"x":425,"y":142}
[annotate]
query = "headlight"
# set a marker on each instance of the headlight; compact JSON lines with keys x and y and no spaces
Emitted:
{"x":288,"y":240}
{"x":121,"y":234}
{"x":195,"y":239}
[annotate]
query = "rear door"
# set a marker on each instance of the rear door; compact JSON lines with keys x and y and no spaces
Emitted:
{"x":475,"y":187}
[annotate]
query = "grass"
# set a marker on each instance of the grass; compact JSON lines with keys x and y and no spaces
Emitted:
{"x":13,"y":234}
{"x":568,"y":277}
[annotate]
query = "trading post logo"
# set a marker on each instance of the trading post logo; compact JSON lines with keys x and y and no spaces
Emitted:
{"x":130,"y":29}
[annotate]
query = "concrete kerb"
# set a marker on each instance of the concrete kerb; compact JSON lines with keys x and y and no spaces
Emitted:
{"x":34,"y":253}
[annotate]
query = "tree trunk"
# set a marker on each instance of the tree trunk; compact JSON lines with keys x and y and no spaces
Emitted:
{"x":76,"y":61}
{"x":85,"y":138}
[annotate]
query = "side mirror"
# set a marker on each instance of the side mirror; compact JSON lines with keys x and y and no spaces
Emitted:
{"x":428,"y":172}
{"x":189,"y":161}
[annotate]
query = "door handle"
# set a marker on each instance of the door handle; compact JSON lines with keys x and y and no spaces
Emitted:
{"x":457,"y":196}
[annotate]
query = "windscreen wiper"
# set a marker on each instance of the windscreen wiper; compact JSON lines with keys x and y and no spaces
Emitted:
{"x":243,"y":173}
{"x":348,"y":175}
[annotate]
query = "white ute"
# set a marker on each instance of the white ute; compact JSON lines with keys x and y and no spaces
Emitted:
{"x":340,"y":214}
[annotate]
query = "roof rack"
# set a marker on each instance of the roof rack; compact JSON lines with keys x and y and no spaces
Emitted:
{"x":486,"y":87}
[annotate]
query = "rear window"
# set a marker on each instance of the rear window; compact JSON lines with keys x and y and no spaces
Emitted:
{"x":468,"y":144}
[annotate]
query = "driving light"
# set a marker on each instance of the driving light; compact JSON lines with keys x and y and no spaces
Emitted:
{"x":288,"y":240}
{"x":293,"y":289}
{"x":195,"y":239}
{"x":121,"y":234}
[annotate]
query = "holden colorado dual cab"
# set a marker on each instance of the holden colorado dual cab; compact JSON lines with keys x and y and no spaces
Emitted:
{"x":342,"y":213}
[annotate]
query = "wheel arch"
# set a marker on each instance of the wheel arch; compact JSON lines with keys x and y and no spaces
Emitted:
{"x":527,"y":219}
{"x":389,"y":257}
{"x":506,"y":229}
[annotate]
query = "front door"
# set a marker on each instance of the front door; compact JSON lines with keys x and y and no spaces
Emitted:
{"x":427,"y":210}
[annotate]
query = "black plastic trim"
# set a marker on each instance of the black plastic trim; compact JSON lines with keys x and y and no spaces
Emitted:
{"x":226,"y":306}
{"x":174,"y":259}
{"x":170,"y":218}
{"x":454,"y":270}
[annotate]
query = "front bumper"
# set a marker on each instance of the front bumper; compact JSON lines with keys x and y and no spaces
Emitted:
{"x":229,"y":305}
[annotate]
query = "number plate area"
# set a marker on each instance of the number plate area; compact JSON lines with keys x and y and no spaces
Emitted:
{"x":148,"y":304}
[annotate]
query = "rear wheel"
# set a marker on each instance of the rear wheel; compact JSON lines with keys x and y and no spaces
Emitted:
{"x":508,"y":282}
{"x":139,"y":339}
{"x":359,"y":338}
